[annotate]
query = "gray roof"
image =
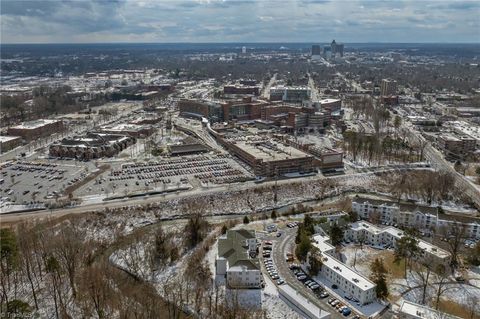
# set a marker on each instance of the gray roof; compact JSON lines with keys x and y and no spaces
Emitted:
{"x":232,"y":246}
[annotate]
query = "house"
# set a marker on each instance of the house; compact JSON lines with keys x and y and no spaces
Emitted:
{"x":237,"y":259}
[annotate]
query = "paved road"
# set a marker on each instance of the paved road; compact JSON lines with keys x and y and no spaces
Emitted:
{"x":438,"y":161}
{"x":14,"y":217}
{"x":266,"y":89}
{"x":286,"y":244}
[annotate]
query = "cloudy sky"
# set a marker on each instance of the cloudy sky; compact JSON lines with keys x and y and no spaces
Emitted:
{"x":239,"y":21}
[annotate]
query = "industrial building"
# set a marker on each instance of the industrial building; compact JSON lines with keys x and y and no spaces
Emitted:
{"x":36,"y":129}
{"x":91,"y":146}
{"x":237,"y":259}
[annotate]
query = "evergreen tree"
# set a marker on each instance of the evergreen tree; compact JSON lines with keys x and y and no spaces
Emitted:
{"x":378,"y":276}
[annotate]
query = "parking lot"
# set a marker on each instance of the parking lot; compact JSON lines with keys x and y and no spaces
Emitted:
{"x":25,"y":182}
{"x":169,"y":173}
{"x":280,"y":262}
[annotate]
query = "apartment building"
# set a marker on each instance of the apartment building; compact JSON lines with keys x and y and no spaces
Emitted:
{"x":237,"y":259}
{"x":349,"y":280}
{"x":410,"y":215}
{"x":388,"y":236}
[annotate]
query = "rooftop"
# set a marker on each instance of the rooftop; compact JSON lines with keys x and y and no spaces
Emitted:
{"x":5,"y":138}
{"x":35,"y":124}
{"x":233,"y":247}
{"x":419,"y":311}
{"x":397,"y":233}
{"x":268,"y":150}
{"x":312,"y":309}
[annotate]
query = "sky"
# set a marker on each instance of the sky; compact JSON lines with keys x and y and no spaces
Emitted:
{"x":102,"y":21}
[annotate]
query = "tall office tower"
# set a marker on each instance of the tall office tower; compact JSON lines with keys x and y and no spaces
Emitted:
{"x":388,"y":87}
{"x":339,"y":49}
{"x":244,"y":50}
{"x":336,"y":48}
{"x":333,"y":47}
{"x":315,"y":52}
{"x":327,"y":52}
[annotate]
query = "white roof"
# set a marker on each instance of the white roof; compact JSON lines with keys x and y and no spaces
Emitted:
{"x":303,"y":302}
{"x":4,"y":138}
{"x":397,"y":233}
{"x":35,"y":124}
{"x":352,"y":276}
{"x":321,"y":242}
{"x":325,"y":101}
{"x":424,"y":312}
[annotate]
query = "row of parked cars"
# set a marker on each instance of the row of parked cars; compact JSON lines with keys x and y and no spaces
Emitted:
{"x":340,"y":307}
{"x":307,"y":281}
{"x":271,"y":270}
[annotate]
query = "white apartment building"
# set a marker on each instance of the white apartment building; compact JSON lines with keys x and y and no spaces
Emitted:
{"x":418,"y":216}
{"x":237,"y":259}
{"x":375,"y":236}
{"x":346,"y":278}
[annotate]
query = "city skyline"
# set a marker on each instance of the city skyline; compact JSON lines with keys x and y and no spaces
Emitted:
{"x":239,"y":21}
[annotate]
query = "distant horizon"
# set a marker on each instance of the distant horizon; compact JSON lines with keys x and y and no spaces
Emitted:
{"x":234,"y":42}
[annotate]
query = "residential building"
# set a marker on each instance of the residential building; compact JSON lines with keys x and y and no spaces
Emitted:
{"x":349,"y":280}
{"x":237,"y":259}
{"x":388,"y":87}
{"x":91,"y":146}
{"x":410,"y":215}
{"x":370,"y":234}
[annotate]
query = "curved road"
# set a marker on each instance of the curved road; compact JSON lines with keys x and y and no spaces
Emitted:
{"x":286,"y":243}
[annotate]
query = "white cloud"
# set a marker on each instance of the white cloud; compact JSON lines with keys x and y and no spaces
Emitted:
{"x":239,"y":20}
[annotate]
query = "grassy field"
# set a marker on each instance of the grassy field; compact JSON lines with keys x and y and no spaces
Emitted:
{"x":396,"y":270}
{"x":456,"y":309}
